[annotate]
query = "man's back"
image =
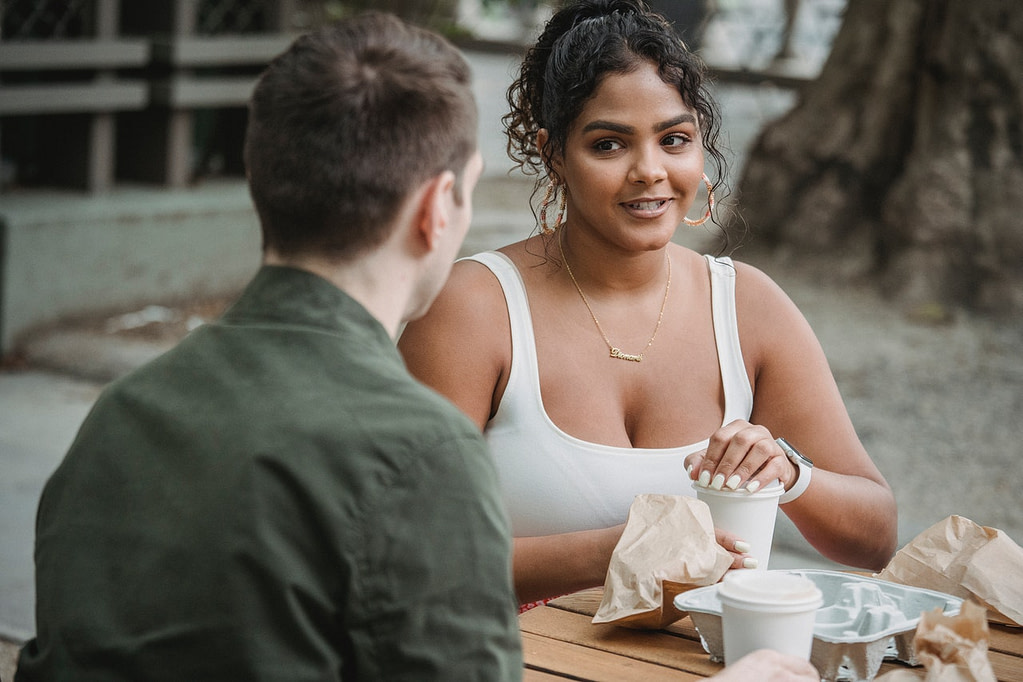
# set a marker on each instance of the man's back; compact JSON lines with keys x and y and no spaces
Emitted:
{"x":274,"y":499}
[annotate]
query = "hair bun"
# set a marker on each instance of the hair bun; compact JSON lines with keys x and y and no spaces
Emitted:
{"x":592,"y":9}
{"x":573,"y":14}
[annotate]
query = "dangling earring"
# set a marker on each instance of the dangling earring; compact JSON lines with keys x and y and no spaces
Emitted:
{"x":553,"y":192}
{"x":710,"y":205}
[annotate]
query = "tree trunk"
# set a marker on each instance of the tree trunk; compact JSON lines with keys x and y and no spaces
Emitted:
{"x":906,"y":154}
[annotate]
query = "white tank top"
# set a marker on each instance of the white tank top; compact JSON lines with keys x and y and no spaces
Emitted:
{"x":553,"y":482}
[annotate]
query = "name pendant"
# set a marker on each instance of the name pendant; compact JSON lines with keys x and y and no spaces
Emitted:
{"x":618,"y":354}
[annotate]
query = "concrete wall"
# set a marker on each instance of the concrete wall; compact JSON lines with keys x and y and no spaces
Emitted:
{"x":65,"y":255}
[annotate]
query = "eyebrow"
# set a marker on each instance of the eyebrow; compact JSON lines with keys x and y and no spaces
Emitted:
{"x":630,"y":130}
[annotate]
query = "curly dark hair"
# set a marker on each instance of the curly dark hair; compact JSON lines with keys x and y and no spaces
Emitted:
{"x":581,"y":44}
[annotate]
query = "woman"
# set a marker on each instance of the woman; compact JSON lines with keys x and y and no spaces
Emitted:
{"x":601,"y":359}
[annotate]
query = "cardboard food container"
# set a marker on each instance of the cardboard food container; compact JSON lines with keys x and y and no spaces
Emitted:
{"x":861,"y":622}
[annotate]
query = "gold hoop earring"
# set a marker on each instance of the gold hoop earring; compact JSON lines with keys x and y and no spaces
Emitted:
{"x":710,"y":205}
{"x":554,"y":192}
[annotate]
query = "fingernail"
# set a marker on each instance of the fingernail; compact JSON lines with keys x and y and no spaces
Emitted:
{"x":749,"y":562}
{"x":733,"y":482}
{"x":753,"y":486}
{"x":742,"y":547}
{"x":719,"y":480}
{"x":704,"y":478}
{"x":689,"y":470}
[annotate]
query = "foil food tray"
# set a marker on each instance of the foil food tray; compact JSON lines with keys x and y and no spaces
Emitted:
{"x":862,"y":622}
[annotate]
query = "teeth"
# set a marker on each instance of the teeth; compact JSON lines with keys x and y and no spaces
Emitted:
{"x":646,"y":205}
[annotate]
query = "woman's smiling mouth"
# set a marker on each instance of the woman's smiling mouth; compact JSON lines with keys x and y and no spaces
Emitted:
{"x":647,"y":207}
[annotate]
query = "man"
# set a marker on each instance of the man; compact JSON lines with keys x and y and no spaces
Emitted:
{"x":276,"y":498}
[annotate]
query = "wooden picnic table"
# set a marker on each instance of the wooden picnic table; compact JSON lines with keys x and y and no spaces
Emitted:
{"x":560,"y":642}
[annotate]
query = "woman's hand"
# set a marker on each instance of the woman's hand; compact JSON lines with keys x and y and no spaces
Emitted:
{"x":741,"y":455}
{"x":737,"y":547}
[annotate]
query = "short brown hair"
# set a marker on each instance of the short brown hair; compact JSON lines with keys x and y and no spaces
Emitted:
{"x":345,"y":123}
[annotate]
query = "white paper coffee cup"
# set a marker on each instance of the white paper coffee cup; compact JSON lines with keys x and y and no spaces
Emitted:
{"x":767,"y":610}
{"x":750,"y":516}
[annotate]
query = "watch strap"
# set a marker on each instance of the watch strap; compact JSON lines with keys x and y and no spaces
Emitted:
{"x":805,"y":472}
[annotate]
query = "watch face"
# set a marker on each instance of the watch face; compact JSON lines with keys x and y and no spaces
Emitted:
{"x":792,"y":453}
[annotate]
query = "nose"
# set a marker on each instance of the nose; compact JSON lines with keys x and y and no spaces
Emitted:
{"x":647,"y":167}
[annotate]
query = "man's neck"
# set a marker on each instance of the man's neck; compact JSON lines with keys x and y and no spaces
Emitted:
{"x":378,"y":286}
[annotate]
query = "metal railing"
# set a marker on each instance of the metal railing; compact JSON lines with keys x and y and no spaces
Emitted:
{"x":97,"y":91}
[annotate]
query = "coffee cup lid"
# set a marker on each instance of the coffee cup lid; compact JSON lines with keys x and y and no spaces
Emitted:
{"x":768,"y":587}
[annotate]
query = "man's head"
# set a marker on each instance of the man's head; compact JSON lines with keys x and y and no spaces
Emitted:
{"x":345,"y":124}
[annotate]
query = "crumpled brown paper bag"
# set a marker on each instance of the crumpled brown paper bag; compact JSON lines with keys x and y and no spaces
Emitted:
{"x":951,"y":648}
{"x":961,"y":558}
{"x":667,"y":547}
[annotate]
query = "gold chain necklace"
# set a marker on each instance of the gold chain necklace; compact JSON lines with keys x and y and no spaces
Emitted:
{"x":616,"y":352}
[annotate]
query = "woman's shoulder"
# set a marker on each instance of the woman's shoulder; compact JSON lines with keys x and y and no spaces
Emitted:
{"x":754,"y":287}
{"x":461,"y":346}
{"x":471,"y":291}
{"x":763,"y":308}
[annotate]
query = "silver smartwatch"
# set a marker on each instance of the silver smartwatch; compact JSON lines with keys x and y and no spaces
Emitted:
{"x":805,"y":466}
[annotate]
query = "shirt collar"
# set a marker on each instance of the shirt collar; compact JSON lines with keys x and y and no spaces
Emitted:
{"x":292,"y":296}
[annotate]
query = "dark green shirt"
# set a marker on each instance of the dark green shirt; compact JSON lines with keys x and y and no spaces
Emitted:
{"x":275,"y":499}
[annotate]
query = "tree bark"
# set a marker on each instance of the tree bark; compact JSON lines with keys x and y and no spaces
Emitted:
{"x":906,"y":154}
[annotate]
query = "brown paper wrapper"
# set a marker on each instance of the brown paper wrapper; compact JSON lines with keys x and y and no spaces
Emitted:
{"x":951,"y":648}
{"x":958,"y":557}
{"x":954,"y":648}
{"x":667,"y":547}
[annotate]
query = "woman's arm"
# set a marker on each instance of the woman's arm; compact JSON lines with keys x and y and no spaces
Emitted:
{"x":552,"y":565}
{"x":462,"y":346}
{"x":848,"y":513}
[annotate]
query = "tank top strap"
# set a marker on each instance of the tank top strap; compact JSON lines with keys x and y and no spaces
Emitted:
{"x":734,"y":379}
{"x":524,"y":365}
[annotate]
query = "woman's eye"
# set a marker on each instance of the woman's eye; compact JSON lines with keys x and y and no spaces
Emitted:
{"x":607,"y":146}
{"x":676,"y":140}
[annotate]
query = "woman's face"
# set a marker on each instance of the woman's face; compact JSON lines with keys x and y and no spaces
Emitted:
{"x":633,"y":161}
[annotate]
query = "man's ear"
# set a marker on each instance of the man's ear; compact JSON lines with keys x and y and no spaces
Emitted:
{"x":435,"y":205}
